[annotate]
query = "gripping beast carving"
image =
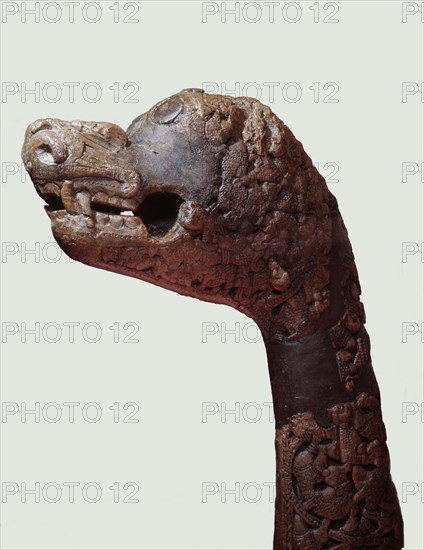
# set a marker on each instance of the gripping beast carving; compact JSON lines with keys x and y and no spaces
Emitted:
{"x":335,"y":481}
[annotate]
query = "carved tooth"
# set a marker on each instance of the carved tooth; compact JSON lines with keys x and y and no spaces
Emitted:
{"x":68,"y":198}
{"x":50,"y":187}
{"x":130,"y":204}
{"x":101,"y":197}
{"x":113,"y":201}
{"x":116,"y":221}
{"x":89,"y":221}
{"x":132,"y":222}
{"x":84,"y":201}
{"x":102,"y":217}
{"x":79,"y":203}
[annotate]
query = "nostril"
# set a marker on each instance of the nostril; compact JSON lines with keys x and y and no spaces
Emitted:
{"x":48,"y":148}
{"x":44,"y":154}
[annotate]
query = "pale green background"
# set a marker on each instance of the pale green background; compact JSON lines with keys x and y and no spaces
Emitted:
{"x":170,"y":452}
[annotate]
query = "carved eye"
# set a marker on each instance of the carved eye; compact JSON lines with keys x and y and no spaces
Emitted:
{"x":167,"y":111}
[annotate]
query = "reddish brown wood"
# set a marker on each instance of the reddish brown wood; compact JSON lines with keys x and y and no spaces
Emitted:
{"x":226,"y":206}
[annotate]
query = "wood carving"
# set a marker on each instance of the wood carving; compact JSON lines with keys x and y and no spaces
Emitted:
{"x":213,"y":197}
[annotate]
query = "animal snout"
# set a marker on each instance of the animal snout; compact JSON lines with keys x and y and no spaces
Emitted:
{"x":49,"y":143}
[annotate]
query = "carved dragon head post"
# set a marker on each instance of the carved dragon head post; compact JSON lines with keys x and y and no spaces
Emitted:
{"x":213,"y":197}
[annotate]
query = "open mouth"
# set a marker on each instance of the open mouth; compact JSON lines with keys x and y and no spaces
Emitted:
{"x":158,"y":211}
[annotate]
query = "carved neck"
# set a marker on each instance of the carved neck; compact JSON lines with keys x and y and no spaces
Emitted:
{"x":305,"y":376}
{"x":331,"y":363}
{"x":327,"y":413}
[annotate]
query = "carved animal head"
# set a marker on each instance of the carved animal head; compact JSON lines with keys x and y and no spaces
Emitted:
{"x":207,"y":195}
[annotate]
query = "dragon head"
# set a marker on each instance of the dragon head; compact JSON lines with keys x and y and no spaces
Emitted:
{"x":206,"y":195}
